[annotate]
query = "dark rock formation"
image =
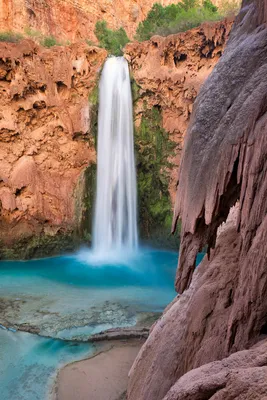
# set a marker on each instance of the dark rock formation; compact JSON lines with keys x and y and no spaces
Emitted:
{"x":224,"y":308}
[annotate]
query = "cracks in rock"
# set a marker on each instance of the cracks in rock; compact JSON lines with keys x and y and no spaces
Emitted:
{"x":229,"y":300}
{"x":209,"y":393}
{"x":232,"y":337}
{"x":178,"y":58}
{"x":61,"y":87}
{"x":204,"y":234}
{"x":39,"y":105}
{"x":20,"y":191}
{"x":263,"y":330}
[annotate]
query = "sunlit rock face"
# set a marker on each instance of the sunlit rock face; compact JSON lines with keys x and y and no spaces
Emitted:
{"x":45,"y":139}
{"x":46,"y":130}
{"x":73,"y":20}
{"x":222,"y":307}
{"x":170,"y":71}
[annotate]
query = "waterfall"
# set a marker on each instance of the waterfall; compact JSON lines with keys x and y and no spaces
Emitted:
{"x":115,"y":222}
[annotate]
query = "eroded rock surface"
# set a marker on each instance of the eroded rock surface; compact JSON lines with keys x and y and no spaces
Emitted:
{"x":223,"y":307}
{"x":45,"y":138}
{"x":240,"y":376}
{"x":169,"y":72}
{"x":73,"y":20}
{"x":46,"y":122}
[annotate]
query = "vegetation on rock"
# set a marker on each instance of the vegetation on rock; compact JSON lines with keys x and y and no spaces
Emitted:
{"x":10,"y":37}
{"x":85,"y":198}
{"x":112,"y":41}
{"x":49,"y":41}
{"x":39,"y":246}
{"x":176,"y":18}
{"x":46,"y":41}
{"x":93,"y":99}
{"x":153,"y":148}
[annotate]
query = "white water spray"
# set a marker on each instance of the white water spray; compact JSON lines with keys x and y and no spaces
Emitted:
{"x":115,"y":224}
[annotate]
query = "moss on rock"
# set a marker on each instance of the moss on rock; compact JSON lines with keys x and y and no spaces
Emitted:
{"x":39,"y":246}
{"x":84,"y":206}
{"x":153,"y":148}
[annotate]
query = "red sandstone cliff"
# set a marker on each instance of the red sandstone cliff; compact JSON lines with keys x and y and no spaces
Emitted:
{"x":170,"y":71}
{"x":45,"y":138}
{"x":223,"y":307}
{"x":45,"y":120}
{"x":72,"y":19}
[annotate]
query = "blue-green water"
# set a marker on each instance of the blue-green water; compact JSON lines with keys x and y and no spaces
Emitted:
{"x":29,"y":363}
{"x":84,"y":293}
{"x":72,"y":297}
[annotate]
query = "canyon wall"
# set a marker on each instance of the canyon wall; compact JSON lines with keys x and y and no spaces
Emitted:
{"x":222,"y":306}
{"x":169,"y":72}
{"x":46,"y":139}
{"x":48,"y":124}
{"x":72,"y":19}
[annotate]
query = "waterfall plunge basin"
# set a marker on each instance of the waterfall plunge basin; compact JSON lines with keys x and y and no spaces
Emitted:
{"x":71,"y":297}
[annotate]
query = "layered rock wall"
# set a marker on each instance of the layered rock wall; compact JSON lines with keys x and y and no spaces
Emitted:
{"x":222,"y":306}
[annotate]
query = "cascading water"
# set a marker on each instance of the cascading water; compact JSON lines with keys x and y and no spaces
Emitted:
{"x":115,"y":222}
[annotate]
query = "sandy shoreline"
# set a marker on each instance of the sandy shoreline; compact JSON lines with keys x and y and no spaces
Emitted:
{"x":104,"y":376}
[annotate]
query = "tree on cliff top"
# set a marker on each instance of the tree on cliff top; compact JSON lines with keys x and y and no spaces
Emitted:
{"x":176,"y":18}
{"x":112,"y":41}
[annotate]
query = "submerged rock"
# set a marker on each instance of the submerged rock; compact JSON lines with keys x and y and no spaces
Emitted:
{"x":223,"y":307}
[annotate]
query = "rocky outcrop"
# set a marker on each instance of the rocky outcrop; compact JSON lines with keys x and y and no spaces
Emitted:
{"x":72,"y":20}
{"x":240,"y":376}
{"x":223,"y":307}
{"x":169,"y":72}
{"x":45,"y":137}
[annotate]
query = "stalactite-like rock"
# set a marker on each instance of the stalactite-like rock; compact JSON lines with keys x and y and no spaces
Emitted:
{"x":223,"y":306}
{"x":221,"y":156}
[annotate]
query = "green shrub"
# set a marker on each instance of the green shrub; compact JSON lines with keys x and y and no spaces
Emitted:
{"x":176,"y":18}
{"x":10,"y":37}
{"x":208,"y":5}
{"x":112,"y":41}
{"x":33,"y":33}
{"x":90,"y":42}
{"x":49,"y":41}
{"x":46,"y":41}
